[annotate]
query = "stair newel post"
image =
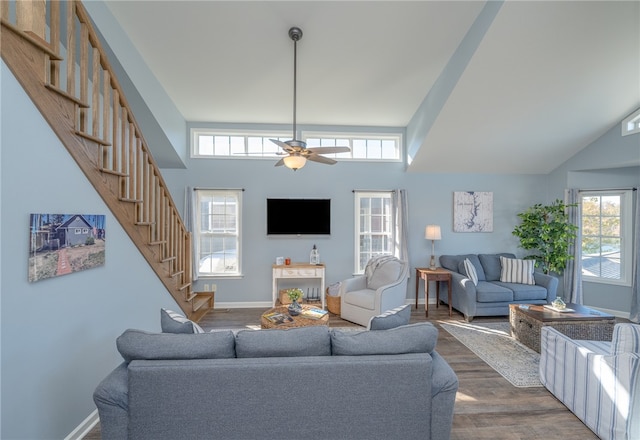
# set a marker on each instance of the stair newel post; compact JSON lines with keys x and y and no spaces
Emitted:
{"x":31,"y":16}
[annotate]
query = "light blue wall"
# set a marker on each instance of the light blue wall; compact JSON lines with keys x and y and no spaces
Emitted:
{"x":612,"y":161}
{"x":58,"y":335}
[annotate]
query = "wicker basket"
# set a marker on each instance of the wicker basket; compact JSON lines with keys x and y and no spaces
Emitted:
{"x":284,"y":298}
{"x":333,"y":304}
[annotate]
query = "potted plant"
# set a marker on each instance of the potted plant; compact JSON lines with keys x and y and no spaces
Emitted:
{"x":294,"y":295}
{"x":546,"y":230}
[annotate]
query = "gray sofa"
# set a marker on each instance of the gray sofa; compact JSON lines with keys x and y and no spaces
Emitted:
{"x":311,"y":382}
{"x":491,"y":297}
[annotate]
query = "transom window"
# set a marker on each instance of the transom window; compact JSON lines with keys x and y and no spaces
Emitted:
{"x":217,"y":232}
{"x":631,"y":124}
{"x":256,"y":145}
{"x":607,"y":236}
{"x":373,"y":226}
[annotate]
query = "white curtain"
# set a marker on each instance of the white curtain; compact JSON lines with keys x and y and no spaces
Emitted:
{"x":190,"y":210}
{"x":573,"y":271}
{"x":400,"y":215}
{"x":635,"y":274}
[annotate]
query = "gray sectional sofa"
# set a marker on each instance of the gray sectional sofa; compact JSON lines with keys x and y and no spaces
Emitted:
{"x":311,"y":383}
{"x":491,"y":297}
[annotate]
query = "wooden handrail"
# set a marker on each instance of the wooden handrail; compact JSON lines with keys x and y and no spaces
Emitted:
{"x":104,"y":119}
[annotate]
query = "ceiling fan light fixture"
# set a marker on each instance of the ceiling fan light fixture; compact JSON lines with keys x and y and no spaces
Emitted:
{"x":295,"y":161}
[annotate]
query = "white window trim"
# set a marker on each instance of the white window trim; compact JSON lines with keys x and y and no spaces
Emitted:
{"x":631,"y":124}
{"x":197,"y":228}
{"x":356,"y":242}
{"x":626,"y":237}
{"x":195,"y":132}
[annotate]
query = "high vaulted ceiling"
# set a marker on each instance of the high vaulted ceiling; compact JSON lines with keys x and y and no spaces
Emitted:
{"x":513,"y":87}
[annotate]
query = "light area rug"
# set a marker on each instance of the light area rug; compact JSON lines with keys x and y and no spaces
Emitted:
{"x":492,"y":342}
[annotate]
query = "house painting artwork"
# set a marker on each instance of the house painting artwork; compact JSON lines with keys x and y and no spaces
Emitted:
{"x":60,"y":244}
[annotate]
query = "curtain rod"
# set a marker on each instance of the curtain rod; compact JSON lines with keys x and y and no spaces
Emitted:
{"x":215,"y":189}
{"x":373,"y":190}
{"x":608,"y":189}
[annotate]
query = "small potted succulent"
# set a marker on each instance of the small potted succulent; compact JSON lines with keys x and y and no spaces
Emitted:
{"x":295,"y":295}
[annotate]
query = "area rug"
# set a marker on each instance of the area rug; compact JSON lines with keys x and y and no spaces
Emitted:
{"x":492,"y":343}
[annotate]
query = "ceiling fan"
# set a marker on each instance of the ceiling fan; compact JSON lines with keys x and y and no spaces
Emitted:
{"x":296,"y":150}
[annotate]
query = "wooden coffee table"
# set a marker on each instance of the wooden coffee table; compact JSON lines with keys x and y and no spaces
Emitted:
{"x":298,"y":321}
{"x":581,"y":323}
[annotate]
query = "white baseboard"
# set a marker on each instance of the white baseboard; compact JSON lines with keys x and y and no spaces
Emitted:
{"x":617,"y":313}
{"x":242,"y":305}
{"x":85,"y":427}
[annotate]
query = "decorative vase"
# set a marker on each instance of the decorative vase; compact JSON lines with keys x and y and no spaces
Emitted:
{"x":558,"y":303}
{"x":294,"y":308}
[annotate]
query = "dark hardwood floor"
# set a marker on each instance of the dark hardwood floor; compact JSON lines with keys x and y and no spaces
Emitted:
{"x":487,"y":406}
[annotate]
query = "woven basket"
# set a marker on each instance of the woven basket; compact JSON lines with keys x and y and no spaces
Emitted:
{"x":333,"y":304}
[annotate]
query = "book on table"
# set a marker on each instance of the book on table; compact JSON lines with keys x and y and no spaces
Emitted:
{"x":278,"y":318}
{"x":313,"y":313}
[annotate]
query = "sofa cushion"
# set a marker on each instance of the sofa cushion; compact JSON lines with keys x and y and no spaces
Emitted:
{"x":173,"y":322}
{"x":492,"y":266}
{"x":293,"y":342}
{"x":470,"y":270}
{"x":365,"y":298}
{"x":517,"y":271}
{"x":524,"y":292}
{"x":391,"y":318}
{"x":138,"y":344}
{"x":487,"y":292}
{"x":453,"y":263}
{"x":386,"y":272}
{"x":626,"y":338}
{"x":413,"y":338}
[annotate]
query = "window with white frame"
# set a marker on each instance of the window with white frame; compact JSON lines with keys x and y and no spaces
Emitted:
{"x":631,"y":124}
{"x":217,"y":231}
{"x":607,"y":236}
{"x":208,"y":143}
{"x":373,"y":226}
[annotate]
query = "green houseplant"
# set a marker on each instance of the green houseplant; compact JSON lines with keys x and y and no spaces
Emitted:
{"x":545,"y":229}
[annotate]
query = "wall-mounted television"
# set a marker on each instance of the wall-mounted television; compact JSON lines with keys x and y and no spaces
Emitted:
{"x":298,"y":216}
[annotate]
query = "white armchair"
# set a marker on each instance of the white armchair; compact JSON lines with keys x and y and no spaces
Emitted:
{"x":382,"y":287}
{"x":598,"y":381}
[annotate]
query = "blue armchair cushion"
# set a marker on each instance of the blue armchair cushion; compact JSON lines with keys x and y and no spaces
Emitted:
{"x":391,"y":319}
{"x":412,"y":338}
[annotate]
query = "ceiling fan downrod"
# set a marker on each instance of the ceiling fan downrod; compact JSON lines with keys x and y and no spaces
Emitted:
{"x":295,"y":33}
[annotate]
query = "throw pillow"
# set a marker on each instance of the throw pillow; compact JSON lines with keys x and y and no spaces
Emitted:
{"x":517,"y":271}
{"x":626,"y":338}
{"x":138,"y":344}
{"x":470,"y":269}
{"x":173,"y":322}
{"x":412,"y":338}
{"x":391,"y":318}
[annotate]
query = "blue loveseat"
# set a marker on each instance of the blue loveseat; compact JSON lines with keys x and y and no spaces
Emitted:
{"x":491,"y":297}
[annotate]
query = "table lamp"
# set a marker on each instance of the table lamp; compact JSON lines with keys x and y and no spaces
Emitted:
{"x":432,"y":232}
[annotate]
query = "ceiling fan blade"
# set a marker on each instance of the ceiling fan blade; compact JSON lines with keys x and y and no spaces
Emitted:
{"x":286,"y":147}
{"x":328,"y":150}
{"x":279,"y":163}
{"x":321,"y":159}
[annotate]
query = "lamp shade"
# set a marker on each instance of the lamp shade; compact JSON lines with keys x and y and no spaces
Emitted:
{"x":432,"y":232}
{"x":294,"y":162}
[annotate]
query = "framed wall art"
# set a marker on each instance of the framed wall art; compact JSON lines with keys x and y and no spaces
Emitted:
{"x":472,"y":211}
{"x":60,"y":244}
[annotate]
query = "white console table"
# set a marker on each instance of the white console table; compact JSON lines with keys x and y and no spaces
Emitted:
{"x":298,"y":271}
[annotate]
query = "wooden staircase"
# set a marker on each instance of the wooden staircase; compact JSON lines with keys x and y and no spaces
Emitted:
{"x":54,"y":52}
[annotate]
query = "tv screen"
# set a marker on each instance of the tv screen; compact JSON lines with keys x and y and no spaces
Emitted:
{"x":298,"y":216}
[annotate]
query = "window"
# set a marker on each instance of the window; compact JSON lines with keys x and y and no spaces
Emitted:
{"x":374,"y":226}
{"x":607,"y":236}
{"x":217,"y":229}
{"x":257,"y":144}
{"x":631,"y":124}
{"x":363,"y":146}
{"x":218,"y":143}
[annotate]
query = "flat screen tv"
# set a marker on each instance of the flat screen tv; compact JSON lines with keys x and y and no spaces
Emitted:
{"x":298,"y":216}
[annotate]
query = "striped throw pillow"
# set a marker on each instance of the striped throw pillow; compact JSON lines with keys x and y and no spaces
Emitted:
{"x":517,"y":271}
{"x":471,"y":271}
